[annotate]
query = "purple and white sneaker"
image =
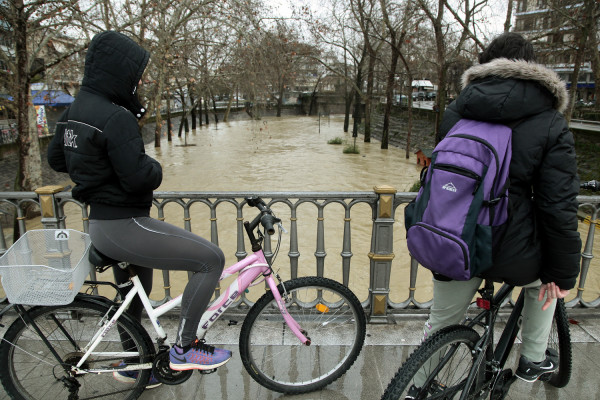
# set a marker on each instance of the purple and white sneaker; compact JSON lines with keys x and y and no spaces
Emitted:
{"x":197,"y":355}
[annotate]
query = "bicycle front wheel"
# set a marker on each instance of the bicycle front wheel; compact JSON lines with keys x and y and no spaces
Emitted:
{"x":29,"y":370}
{"x":437,"y":369}
{"x":560,"y":342}
{"x":332,"y":317}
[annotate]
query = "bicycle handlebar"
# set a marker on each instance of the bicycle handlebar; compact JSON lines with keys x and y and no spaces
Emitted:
{"x":591,"y":185}
{"x":266,"y":217}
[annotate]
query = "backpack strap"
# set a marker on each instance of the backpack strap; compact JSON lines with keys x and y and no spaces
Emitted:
{"x":493,"y":202}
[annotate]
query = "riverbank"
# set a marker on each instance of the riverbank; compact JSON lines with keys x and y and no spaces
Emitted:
{"x":587,"y":145}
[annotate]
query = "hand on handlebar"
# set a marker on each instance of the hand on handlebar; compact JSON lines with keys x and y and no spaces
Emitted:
{"x":552,"y":292}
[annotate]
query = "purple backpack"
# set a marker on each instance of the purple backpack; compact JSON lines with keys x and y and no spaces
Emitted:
{"x":463,"y":200}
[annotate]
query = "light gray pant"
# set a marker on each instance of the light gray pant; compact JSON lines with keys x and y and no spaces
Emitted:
{"x":147,"y":242}
{"x":450,"y":302}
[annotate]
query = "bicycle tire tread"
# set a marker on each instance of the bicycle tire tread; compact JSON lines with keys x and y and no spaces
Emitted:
{"x":422,"y":353}
{"x":562,"y":376}
{"x":16,"y":328}
{"x":266,"y":298}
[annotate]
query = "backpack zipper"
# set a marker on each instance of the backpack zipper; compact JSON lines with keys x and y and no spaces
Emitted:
{"x":489,"y":146}
{"x":461,"y":171}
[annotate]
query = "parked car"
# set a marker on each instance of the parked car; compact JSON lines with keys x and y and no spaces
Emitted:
{"x":418,"y":95}
{"x":431,"y":95}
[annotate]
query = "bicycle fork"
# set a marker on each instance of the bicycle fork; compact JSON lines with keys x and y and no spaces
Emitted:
{"x":289,"y":320}
{"x":494,"y":360}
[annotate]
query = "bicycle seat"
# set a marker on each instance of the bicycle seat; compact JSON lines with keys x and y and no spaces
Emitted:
{"x":98,"y":259}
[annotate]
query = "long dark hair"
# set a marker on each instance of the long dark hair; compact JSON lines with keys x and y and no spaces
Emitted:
{"x":508,"y":45}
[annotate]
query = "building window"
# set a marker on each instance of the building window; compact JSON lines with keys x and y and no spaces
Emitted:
{"x":522,"y":5}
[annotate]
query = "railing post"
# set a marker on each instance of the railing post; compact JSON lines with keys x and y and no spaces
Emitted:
{"x":382,"y":253}
{"x":49,"y":206}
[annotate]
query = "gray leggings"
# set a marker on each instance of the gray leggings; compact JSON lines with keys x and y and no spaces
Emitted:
{"x":450,"y":302}
{"x":147,"y":242}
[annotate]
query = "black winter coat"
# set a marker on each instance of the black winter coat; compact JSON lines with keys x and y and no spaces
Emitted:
{"x":98,"y":141}
{"x":541,"y":238}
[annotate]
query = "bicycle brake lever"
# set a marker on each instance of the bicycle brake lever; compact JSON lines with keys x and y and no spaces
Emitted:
{"x":282,"y":227}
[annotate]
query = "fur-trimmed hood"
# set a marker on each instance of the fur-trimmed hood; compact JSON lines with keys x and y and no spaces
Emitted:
{"x":523,"y":70}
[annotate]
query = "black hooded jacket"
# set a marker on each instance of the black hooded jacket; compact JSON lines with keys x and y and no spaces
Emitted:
{"x":541,"y":238}
{"x":97,"y":139}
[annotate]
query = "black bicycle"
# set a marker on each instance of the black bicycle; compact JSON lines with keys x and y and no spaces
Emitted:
{"x":461,"y":363}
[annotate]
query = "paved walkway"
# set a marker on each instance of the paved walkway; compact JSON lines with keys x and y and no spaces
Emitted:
{"x":386,"y":347}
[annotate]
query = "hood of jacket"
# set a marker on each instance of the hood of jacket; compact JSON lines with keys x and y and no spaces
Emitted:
{"x":504,"y":90}
{"x":114,"y":65}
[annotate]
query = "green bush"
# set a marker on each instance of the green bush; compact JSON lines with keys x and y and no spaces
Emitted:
{"x":337,"y":140}
{"x":416,"y":186}
{"x":351,"y":149}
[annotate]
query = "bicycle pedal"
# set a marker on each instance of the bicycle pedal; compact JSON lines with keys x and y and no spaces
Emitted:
{"x":545,"y":377}
{"x":207,"y":371}
{"x":163,"y":372}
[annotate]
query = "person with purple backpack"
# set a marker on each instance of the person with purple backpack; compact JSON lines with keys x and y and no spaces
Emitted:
{"x":540,"y":247}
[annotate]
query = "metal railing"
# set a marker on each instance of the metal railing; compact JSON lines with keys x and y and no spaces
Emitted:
{"x":379,"y":211}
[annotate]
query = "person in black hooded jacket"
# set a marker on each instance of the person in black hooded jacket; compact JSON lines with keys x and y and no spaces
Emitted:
{"x":98,"y":142}
{"x":540,"y":248}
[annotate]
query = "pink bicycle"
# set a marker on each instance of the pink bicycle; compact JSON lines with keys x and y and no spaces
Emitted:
{"x":300,"y":336}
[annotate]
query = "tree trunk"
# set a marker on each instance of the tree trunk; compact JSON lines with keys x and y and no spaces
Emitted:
{"x":280,"y":99}
{"x":193,"y":112}
{"x":206,"y":110}
{"x":509,"y":10}
{"x":369,"y":99}
{"x":410,"y":104}
{"x":357,"y":93}
{"x":29,"y":175}
{"x":584,"y":31}
{"x":228,"y":109}
{"x":595,"y":55}
{"x":169,"y":123}
{"x":595,"y":67}
{"x":357,"y":103}
{"x":215,"y":109}
{"x":440,"y":105}
{"x":347,"y":108}
{"x":200,"y":111}
{"x":158,"y":104}
{"x":389,"y":91}
{"x":347,"y":96}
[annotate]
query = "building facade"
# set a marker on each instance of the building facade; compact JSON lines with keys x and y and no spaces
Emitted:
{"x":552,"y":26}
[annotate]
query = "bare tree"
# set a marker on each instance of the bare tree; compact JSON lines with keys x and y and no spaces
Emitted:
{"x":31,"y":29}
{"x":365,"y":13}
{"x":397,"y":33}
{"x":448,"y":43}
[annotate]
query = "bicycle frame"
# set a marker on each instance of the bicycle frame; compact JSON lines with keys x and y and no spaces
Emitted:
{"x":248,"y":270}
{"x":491,"y":304}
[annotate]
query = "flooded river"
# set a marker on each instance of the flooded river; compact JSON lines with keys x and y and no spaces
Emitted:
{"x":292,"y":154}
{"x":287,"y":154}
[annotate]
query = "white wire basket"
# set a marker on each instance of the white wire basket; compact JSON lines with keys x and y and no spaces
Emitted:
{"x":46,"y":267}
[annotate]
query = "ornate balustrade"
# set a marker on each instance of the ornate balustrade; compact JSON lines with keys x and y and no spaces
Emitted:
{"x":376,"y":216}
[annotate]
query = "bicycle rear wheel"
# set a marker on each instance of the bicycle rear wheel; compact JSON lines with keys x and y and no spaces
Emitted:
{"x":28,"y":370}
{"x":334,"y":320}
{"x":438,"y":368}
{"x":560,"y":341}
